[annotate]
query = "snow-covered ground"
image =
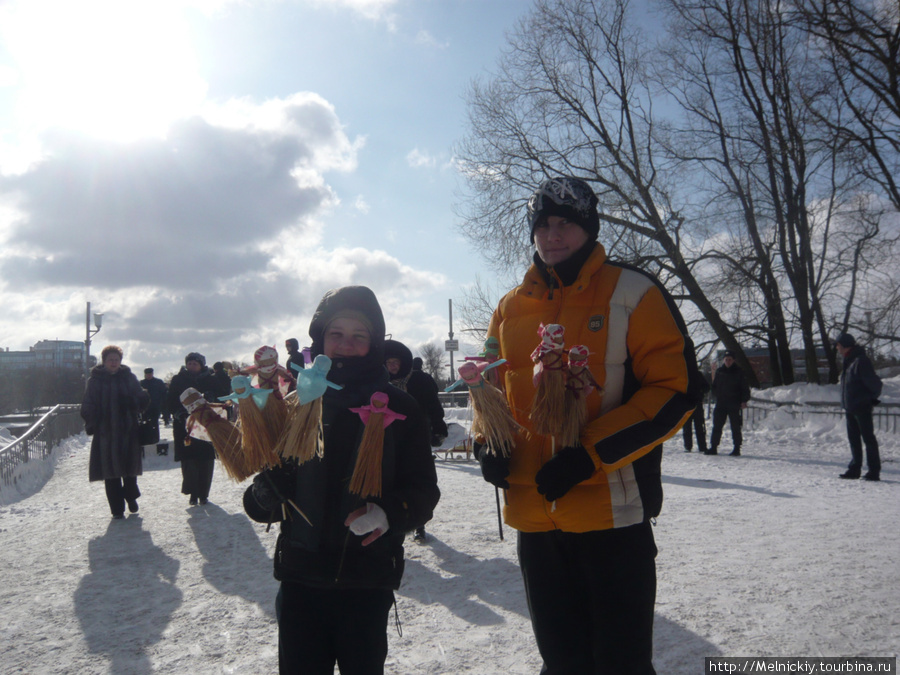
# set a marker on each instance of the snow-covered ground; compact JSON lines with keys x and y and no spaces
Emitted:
{"x":766,"y":554}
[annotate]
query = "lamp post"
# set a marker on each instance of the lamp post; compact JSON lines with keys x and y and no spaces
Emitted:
{"x":88,"y":334}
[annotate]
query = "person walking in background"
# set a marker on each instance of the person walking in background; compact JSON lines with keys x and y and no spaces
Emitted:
{"x":697,"y":424}
{"x":156,"y":389}
{"x":860,"y":389}
{"x":731,"y":392}
{"x":112,"y":400}
{"x":422,"y":387}
{"x":295,"y":358}
{"x":583,"y":512}
{"x":197,"y":457}
{"x":406,"y":373}
{"x":339,"y":573}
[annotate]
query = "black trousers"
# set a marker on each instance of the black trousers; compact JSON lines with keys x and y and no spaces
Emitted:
{"x":591,"y":597}
{"x":318,"y":627}
{"x":695,"y":423}
{"x":860,"y":429}
{"x":196,"y":477}
{"x":118,"y":490}
{"x":733,"y":415}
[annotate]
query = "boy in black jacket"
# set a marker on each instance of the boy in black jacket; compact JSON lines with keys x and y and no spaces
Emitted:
{"x":338,"y":574}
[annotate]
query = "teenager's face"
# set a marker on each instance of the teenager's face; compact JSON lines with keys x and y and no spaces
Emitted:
{"x":557,"y":239}
{"x":112,"y":362}
{"x":346,"y":337}
{"x":393,"y":365}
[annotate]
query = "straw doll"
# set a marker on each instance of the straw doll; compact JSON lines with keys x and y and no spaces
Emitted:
{"x":366,"y":480}
{"x":208,"y":422}
{"x":275,"y":377}
{"x":302,"y":437}
{"x":548,"y":411}
{"x":491,"y":418}
{"x":268,"y":372}
{"x":257,"y":439}
{"x":579,"y":384}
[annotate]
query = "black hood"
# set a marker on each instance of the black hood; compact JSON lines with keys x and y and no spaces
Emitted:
{"x":358,"y":299}
{"x":394,"y":349}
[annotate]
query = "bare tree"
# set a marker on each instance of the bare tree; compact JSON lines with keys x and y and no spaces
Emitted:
{"x":859,"y":100}
{"x":573,"y":97}
{"x":433,"y":362}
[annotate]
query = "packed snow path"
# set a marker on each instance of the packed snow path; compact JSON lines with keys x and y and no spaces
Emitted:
{"x":766,"y":554}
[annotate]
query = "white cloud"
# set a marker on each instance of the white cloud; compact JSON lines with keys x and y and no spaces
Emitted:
{"x":117,"y":69}
{"x":9,"y":76}
{"x":361,"y":205}
{"x":425,"y":38}
{"x":418,"y":159}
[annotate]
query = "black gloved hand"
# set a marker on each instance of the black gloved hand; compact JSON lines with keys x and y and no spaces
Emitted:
{"x":566,"y":469}
{"x":494,"y":466}
{"x":272,"y":487}
{"x":437,"y":439}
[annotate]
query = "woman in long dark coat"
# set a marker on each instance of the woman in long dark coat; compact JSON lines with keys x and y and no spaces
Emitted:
{"x":197,"y":457}
{"x":112,"y":399}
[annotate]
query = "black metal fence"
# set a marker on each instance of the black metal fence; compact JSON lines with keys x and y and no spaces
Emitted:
{"x":885,"y":417}
{"x":61,"y":422}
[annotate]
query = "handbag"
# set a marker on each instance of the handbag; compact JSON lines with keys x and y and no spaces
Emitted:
{"x":148,"y":429}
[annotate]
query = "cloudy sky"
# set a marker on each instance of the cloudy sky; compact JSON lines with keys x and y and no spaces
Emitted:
{"x":202,"y":171}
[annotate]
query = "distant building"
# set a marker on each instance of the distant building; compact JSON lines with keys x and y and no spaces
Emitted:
{"x":57,"y":354}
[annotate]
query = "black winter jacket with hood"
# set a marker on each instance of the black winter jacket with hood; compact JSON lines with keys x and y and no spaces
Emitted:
{"x":327,"y":554}
{"x":860,"y":384}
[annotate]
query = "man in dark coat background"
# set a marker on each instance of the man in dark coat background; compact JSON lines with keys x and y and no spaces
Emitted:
{"x":860,"y":389}
{"x":732,"y":393}
{"x":197,"y":457}
{"x":404,"y":373}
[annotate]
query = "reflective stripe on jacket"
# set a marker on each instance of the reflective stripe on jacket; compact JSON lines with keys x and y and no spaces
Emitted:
{"x":639,"y":354}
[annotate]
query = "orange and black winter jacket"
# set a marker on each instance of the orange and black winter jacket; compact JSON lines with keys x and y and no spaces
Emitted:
{"x":641,"y":357}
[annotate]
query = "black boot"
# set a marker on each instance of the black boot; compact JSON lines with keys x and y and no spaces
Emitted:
{"x":850,"y":473}
{"x":736,"y":452}
{"x":872,"y":475}
{"x":712,"y":451}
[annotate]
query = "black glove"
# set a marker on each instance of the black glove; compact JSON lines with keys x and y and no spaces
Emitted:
{"x":272,"y":487}
{"x":566,"y":469}
{"x":436,"y":440}
{"x":494,"y":466}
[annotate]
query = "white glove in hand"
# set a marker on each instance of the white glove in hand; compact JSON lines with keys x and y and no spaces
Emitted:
{"x":369,"y":518}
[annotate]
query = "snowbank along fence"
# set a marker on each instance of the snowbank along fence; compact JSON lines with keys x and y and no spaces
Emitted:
{"x":55,"y":426}
{"x":885,"y":416}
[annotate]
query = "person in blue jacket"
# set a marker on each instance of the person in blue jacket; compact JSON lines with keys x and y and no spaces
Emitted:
{"x":860,"y":389}
{"x":339,"y":571}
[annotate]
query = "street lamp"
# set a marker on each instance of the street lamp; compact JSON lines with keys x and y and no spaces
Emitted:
{"x":88,"y":334}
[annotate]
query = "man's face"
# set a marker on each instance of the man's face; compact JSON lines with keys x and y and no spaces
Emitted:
{"x":557,"y":239}
{"x":291,"y":346}
{"x":393,"y":365}
{"x":193,"y":367}
{"x":148,"y":375}
{"x":728,"y":361}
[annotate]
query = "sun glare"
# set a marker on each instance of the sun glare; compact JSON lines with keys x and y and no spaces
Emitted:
{"x":114,"y":69}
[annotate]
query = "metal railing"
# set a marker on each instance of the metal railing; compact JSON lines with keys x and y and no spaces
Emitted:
{"x":56,"y":425}
{"x":885,"y":416}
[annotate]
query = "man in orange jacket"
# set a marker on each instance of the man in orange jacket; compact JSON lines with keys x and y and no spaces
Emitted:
{"x":583,"y":512}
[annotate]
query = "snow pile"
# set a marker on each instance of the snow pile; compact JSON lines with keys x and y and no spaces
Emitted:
{"x":766,"y":554}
